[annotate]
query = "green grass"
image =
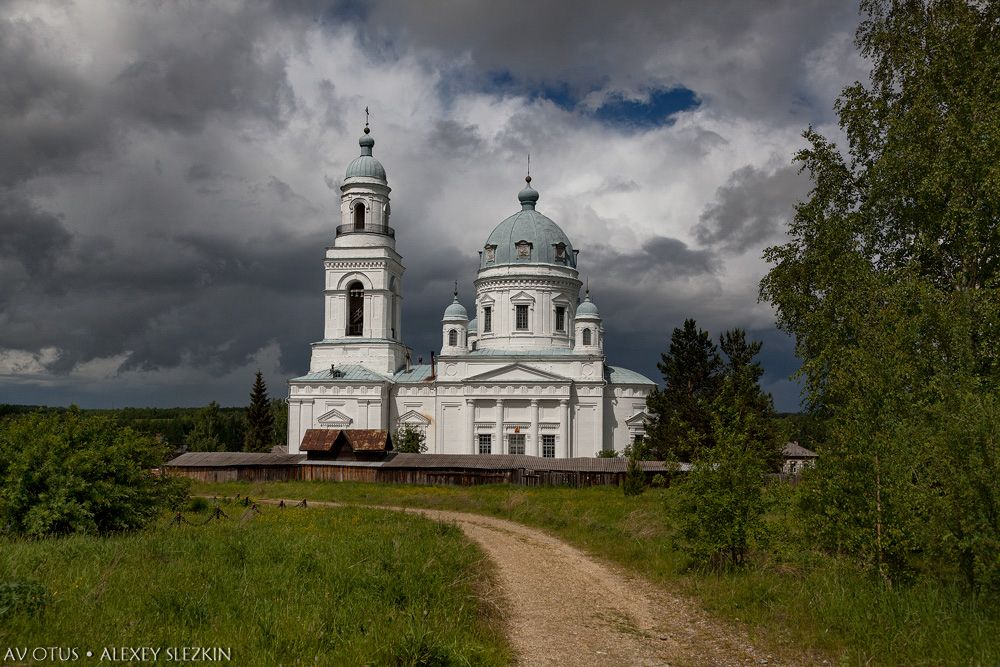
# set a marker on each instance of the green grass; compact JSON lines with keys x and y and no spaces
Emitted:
{"x":348,"y":586}
{"x":791,"y":597}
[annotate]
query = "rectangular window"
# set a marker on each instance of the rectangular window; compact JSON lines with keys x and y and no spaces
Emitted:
{"x":487,"y":319}
{"x":485,"y":443}
{"x":560,"y":318}
{"x":549,"y":446}
{"x":521,"y":318}
{"x":515,"y":442}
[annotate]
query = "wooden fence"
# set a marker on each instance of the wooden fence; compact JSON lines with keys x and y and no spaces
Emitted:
{"x":398,"y":475}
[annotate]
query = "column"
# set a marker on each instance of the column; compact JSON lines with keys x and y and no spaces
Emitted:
{"x":563,"y":450}
{"x":498,"y":436}
{"x":363,"y":413}
{"x":470,"y":425}
{"x":535,"y":438}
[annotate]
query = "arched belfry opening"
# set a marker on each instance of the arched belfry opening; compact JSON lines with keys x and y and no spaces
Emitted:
{"x":586,"y":337}
{"x":355,"y":308}
{"x":359,"y":216}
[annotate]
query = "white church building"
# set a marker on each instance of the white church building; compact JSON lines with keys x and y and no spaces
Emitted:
{"x":526,"y":375}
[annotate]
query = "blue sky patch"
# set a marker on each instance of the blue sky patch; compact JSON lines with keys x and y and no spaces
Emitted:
{"x":657,"y":110}
{"x":660,"y":105}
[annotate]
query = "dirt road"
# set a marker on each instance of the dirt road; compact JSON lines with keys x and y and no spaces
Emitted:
{"x":566,"y":608}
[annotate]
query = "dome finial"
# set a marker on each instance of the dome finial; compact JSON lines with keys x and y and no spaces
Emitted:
{"x":528,"y":196}
{"x":367,"y":130}
{"x":456,"y":290}
{"x":366,"y":142}
{"x":587,"y":293}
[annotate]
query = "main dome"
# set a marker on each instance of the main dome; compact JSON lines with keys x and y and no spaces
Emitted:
{"x":365,"y":166}
{"x":528,"y":237}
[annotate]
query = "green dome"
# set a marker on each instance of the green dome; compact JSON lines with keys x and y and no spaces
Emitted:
{"x":455,"y":311}
{"x":366,"y":166}
{"x":548,"y":243}
{"x":587,"y":309}
{"x":474,"y":325}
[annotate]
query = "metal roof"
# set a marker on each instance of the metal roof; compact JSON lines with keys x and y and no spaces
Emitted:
{"x":343,"y":373}
{"x":528,"y":225}
{"x":365,"y":165}
{"x":417,"y":373}
{"x":455,"y":311}
{"x":319,"y":439}
{"x":223,"y":459}
{"x":619,"y":375}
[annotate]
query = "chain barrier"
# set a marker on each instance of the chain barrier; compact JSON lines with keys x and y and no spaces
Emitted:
{"x":218,"y":514}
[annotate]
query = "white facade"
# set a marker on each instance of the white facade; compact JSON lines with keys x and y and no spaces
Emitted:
{"x":526,"y":375}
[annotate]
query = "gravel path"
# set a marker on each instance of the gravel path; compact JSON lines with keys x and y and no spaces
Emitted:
{"x":566,"y":608}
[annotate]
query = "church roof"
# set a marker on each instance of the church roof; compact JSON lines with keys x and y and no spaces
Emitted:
{"x":365,"y":165}
{"x":455,"y":311}
{"x":343,"y":373}
{"x":417,"y":373}
{"x":619,"y":375}
{"x":548,"y":243}
{"x":587,"y":308}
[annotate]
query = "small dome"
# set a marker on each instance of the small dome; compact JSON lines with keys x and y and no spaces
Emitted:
{"x":528,"y":196}
{"x":587,"y":309}
{"x":455,"y":311}
{"x":366,"y":166}
{"x":474,"y":325}
{"x":528,"y":237}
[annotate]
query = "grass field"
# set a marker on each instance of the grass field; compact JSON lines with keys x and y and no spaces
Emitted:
{"x":790,"y":597}
{"x":290,"y":586}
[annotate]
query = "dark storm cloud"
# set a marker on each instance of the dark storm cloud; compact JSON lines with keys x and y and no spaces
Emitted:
{"x":176,"y":301}
{"x":751,"y":207}
{"x":659,"y":259}
{"x":30,"y":238}
{"x":746,"y":55}
{"x":182,"y":70}
{"x":49,"y":116}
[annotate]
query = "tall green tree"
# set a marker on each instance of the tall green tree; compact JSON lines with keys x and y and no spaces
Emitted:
{"x":207,"y":434}
{"x":681,"y":422}
{"x":721,"y":499}
{"x":259,"y":436}
{"x":889,"y":283}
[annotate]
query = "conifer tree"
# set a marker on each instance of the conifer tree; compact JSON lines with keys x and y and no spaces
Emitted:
{"x":681,"y":423}
{"x":260,"y":421}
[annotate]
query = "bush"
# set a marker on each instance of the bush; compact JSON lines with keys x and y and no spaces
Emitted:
{"x":69,"y":473}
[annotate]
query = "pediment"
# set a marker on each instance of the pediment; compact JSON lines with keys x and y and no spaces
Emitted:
{"x":522,"y":297}
{"x":335,"y":417}
{"x":638,"y":419}
{"x":517,"y":373}
{"x":413,"y":417}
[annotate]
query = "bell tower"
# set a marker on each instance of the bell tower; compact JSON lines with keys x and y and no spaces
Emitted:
{"x":363,"y":290}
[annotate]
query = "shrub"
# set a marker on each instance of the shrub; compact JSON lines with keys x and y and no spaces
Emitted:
{"x":659,"y":481}
{"x":70,"y":473}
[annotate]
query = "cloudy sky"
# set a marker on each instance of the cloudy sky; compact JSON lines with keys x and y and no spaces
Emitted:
{"x":170,"y":171}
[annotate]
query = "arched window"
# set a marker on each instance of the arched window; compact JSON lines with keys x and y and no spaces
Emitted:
{"x":586,"y":336}
{"x":355,"y":309}
{"x":453,"y":338}
{"x":359,"y":216}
